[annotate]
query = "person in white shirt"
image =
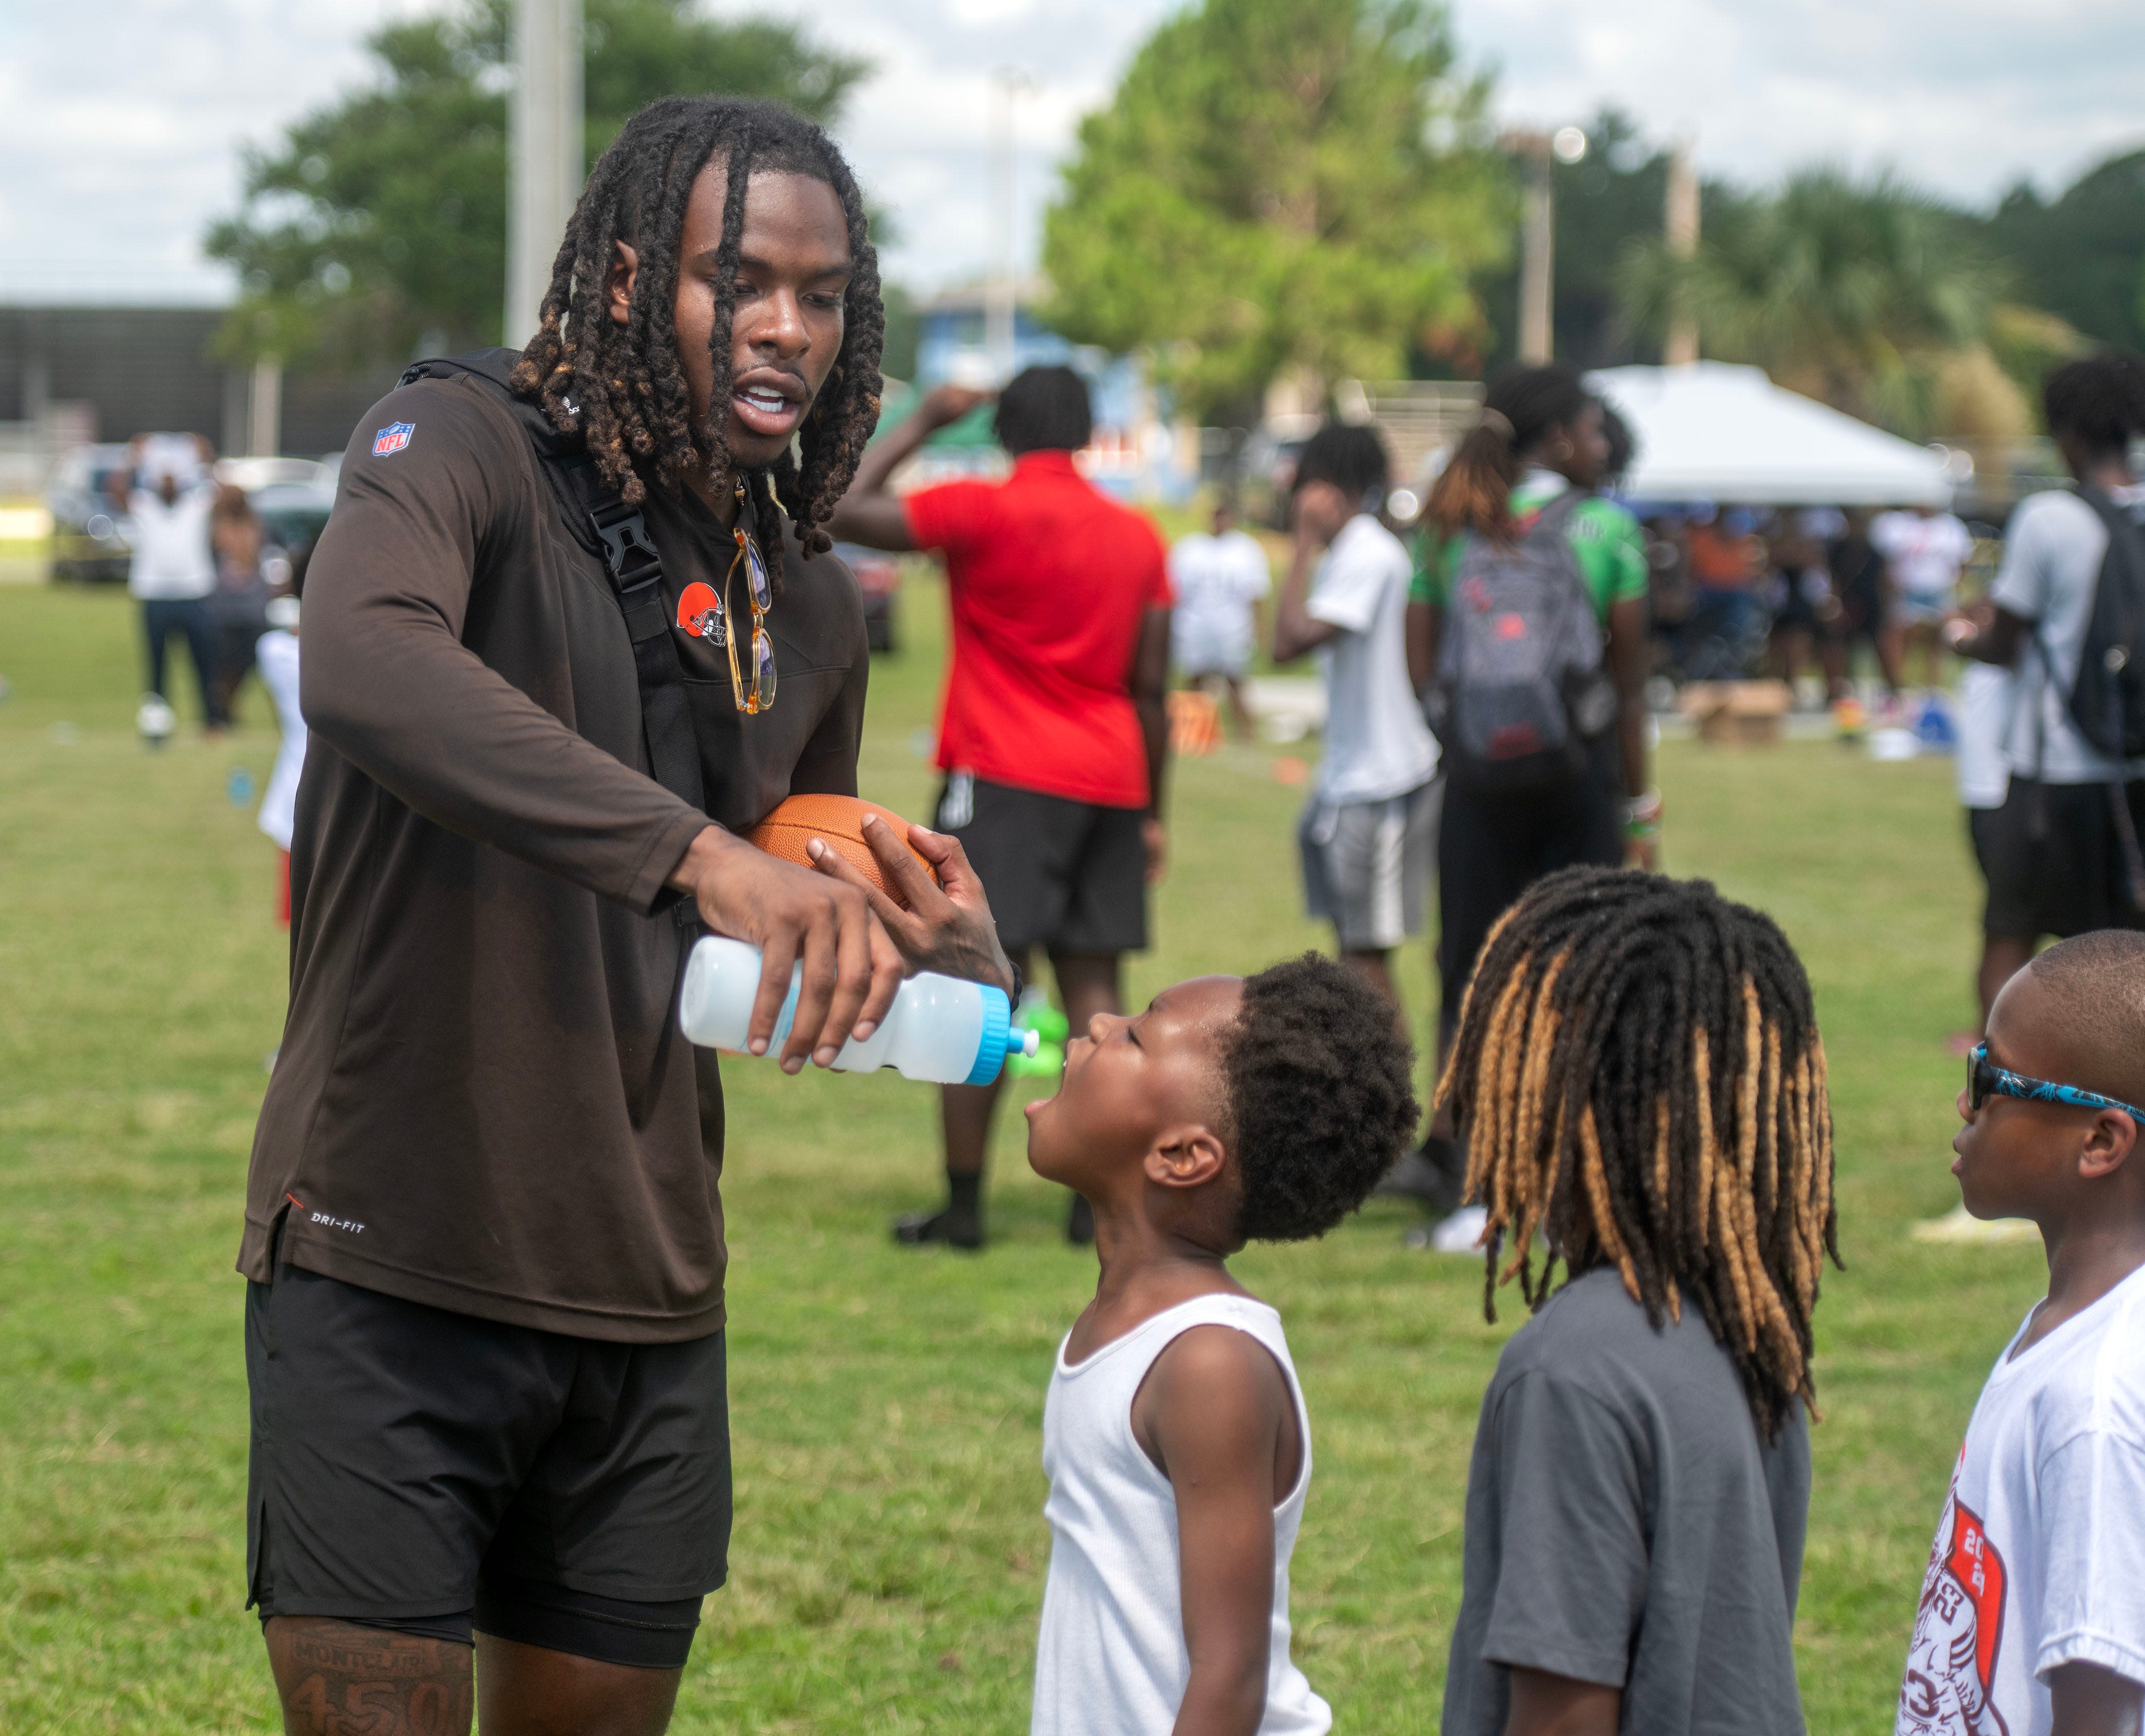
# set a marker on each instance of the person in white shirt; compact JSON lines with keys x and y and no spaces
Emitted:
{"x":1369,"y":834}
{"x":1986,"y":697}
{"x":168,"y":494}
{"x":2032,"y":1616}
{"x":1220,"y":578}
{"x":2054,"y":851}
{"x":1923,"y":550}
{"x":275,"y":655}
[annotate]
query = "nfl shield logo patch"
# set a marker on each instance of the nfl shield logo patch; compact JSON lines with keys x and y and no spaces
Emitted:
{"x":393,"y":437}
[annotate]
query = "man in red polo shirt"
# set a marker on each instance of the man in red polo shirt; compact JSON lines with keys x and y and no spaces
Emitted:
{"x":1054,"y":725}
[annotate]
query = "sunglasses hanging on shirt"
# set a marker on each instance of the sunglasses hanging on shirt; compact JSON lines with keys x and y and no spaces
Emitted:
{"x":760,"y":597}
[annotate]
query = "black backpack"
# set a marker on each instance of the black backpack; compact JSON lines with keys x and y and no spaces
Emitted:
{"x":1520,"y":691}
{"x":2108,"y":701}
{"x":617,"y":534}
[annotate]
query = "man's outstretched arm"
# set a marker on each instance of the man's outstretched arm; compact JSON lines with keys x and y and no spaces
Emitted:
{"x":869,"y":513}
{"x":1148,"y":682}
{"x":388,"y":683}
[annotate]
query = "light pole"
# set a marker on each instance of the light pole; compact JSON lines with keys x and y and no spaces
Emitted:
{"x":1538,"y":234}
{"x":1001,"y":296}
{"x":544,"y":153}
{"x":1679,"y":348}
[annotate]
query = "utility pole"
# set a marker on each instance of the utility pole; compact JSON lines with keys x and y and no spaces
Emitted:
{"x":1679,"y":348}
{"x":1542,"y":152}
{"x":544,"y":154}
{"x":264,"y":408}
{"x":1001,"y":296}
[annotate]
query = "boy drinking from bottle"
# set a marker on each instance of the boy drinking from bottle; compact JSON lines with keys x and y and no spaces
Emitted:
{"x":1174,"y":1434}
{"x":2032,"y":1618}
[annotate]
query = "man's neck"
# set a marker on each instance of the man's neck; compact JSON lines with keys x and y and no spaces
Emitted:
{"x":2109,"y":472}
{"x":718,"y":494}
{"x":2089,"y":1254}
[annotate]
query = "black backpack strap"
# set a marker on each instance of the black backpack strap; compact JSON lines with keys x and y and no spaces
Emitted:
{"x":601,"y":522}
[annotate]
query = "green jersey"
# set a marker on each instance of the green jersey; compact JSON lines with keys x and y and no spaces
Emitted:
{"x":1605,"y":539}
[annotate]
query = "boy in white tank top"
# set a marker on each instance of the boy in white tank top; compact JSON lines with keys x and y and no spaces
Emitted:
{"x":1175,"y":1434}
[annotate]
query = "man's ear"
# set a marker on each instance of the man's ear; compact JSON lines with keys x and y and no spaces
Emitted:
{"x":617,"y":288}
{"x":1188,"y":1155}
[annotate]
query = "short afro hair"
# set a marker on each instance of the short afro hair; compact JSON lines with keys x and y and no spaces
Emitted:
{"x":2099,"y":398}
{"x":1349,"y":456}
{"x":1320,"y":1079}
{"x":1623,"y":445}
{"x":1045,"y":409}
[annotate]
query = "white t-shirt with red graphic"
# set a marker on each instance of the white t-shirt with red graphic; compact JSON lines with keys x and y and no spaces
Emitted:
{"x":2039,"y":1558}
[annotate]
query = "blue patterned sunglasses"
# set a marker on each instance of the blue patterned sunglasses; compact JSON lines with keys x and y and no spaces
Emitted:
{"x":1984,"y":1079}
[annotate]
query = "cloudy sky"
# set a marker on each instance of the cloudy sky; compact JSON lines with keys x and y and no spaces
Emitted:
{"x":121,"y":122}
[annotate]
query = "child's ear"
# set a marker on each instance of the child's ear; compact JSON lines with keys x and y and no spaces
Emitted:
{"x":2108,"y":1144}
{"x":1187,"y":1156}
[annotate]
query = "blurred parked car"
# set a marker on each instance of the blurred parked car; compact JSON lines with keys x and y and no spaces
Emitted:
{"x":878,"y":576}
{"x":92,"y":540}
{"x":89,"y":534}
{"x":292,"y":515}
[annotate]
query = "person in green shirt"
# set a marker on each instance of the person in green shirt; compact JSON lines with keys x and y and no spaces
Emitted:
{"x":1540,"y":435}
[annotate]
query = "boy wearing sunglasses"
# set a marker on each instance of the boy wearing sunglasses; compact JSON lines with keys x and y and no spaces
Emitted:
{"x":2032,"y":1617}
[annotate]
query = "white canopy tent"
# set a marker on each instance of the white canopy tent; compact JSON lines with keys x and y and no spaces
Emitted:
{"x":1712,"y":431}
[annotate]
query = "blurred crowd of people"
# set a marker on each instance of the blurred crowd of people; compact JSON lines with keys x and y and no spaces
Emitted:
{"x":1738,"y":590}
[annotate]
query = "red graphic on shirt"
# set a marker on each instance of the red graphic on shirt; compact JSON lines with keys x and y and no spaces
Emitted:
{"x":1958,"y":1628}
{"x":700,"y":612}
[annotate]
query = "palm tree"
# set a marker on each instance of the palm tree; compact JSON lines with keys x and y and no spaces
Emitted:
{"x":1870,"y":296}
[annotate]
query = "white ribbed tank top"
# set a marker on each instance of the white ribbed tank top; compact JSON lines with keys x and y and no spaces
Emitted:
{"x":1111,"y":1660}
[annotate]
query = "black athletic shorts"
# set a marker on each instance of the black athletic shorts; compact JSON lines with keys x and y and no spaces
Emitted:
{"x":433,"y":1472}
{"x":1491,"y":847}
{"x":1981,"y":825}
{"x":1070,"y":877}
{"x":2053,"y":860}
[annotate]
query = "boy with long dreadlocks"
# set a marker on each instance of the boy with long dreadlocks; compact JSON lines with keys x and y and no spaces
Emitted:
{"x":484,"y":1328}
{"x":1639,"y":1080}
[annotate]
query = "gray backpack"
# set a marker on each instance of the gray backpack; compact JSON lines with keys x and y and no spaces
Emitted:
{"x":1520,"y":691}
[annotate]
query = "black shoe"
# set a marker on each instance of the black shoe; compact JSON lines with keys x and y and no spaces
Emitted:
{"x":916,"y":1228}
{"x":1080,"y":1223}
{"x":1435,"y":1174}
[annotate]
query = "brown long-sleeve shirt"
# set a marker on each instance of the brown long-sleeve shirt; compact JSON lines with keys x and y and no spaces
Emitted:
{"x":482,"y":1101}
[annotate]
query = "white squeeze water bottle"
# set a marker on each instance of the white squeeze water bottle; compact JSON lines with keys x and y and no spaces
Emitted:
{"x":939,"y":1028}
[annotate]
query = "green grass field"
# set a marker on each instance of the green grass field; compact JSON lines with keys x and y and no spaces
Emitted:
{"x":889,"y":1552}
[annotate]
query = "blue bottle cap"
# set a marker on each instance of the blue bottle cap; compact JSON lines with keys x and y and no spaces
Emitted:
{"x":997,"y":1037}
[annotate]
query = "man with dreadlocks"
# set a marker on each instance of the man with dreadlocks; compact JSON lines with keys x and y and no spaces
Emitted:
{"x":484,"y":1328}
{"x":1639,"y":1081}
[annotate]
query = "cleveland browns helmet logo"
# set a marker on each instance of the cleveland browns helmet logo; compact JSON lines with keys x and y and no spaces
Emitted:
{"x":700,"y":613}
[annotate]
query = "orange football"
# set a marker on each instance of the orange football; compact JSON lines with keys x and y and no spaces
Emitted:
{"x":838,"y":820}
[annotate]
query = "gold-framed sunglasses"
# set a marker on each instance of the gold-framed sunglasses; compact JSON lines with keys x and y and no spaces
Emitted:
{"x":759,"y":593}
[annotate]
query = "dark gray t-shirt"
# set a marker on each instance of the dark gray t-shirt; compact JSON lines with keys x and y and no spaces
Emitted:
{"x":1627,"y":1526}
